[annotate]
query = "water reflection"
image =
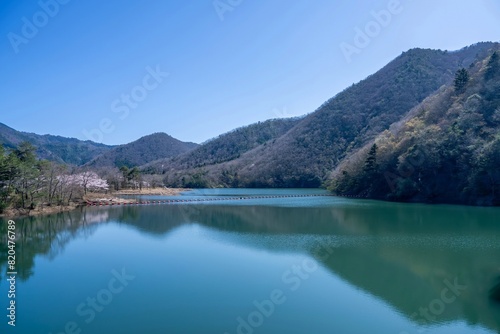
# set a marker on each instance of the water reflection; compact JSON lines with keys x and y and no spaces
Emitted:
{"x":406,"y":255}
{"x":47,"y":236}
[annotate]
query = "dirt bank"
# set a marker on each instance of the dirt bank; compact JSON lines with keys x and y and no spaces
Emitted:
{"x":92,"y":198}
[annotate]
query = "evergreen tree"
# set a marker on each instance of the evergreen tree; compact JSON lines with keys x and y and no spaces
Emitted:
{"x":4,"y":177}
{"x":493,"y":66}
{"x":24,"y":176}
{"x":25,"y":152}
{"x":125,"y":172}
{"x":135,"y":175}
{"x":461,"y":80}
{"x":371,"y":161}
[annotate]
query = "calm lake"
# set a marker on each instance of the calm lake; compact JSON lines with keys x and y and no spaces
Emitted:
{"x":281,"y":265}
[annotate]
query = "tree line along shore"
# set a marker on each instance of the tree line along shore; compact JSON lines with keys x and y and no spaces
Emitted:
{"x":31,"y":186}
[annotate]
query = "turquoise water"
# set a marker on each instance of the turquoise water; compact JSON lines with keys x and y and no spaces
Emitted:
{"x":281,"y":265}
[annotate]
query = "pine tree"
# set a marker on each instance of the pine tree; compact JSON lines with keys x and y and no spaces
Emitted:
{"x":493,"y":67}
{"x":461,"y":80}
{"x":25,"y":152}
{"x":371,"y":161}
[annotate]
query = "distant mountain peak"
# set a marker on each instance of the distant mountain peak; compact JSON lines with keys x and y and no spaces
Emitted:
{"x":78,"y":152}
{"x":148,"y":148}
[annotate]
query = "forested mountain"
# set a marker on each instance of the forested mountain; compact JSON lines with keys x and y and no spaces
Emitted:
{"x":55,"y":148}
{"x":305,"y":155}
{"x":141,"y":151}
{"x":224,"y":148}
{"x":433,"y":116}
{"x":76,"y":152}
{"x":447,"y":149}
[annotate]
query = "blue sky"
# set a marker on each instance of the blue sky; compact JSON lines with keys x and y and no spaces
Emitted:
{"x":87,"y":69}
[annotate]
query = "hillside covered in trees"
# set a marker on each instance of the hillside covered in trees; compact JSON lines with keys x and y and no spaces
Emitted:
{"x":447,"y":149}
{"x":305,"y":154}
{"x":55,"y":148}
{"x":75,"y":152}
{"x":142,"y":151}
{"x":423,"y":128}
{"x":187,"y":170}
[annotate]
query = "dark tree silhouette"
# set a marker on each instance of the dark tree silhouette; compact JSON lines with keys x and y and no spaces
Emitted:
{"x":461,"y":80}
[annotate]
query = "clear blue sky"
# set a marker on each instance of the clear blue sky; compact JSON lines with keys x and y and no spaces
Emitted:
{"x":265,"y":59}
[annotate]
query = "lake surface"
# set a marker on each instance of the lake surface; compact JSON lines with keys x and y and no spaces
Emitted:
{"x":281,"y":265}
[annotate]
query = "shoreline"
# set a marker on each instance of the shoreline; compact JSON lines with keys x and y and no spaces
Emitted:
{"x":158,"y":191}
{"x":112,"y":197}
{"x":42,"y":211}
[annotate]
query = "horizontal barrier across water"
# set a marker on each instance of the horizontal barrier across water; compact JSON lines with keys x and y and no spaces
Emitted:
{"x":194,"y":200}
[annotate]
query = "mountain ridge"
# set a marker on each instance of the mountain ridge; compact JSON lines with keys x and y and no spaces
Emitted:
{"x":305,"y":154}
{"x":447,"y":149}
{"x":76,"y":152}
{"x":313,"y":150}
{"x":53,"y":147}
{"x":143,"y":150}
